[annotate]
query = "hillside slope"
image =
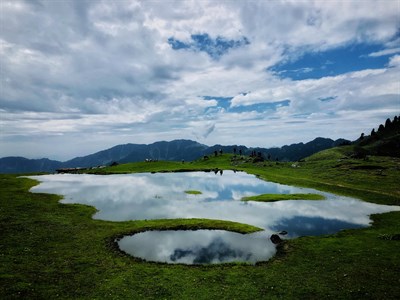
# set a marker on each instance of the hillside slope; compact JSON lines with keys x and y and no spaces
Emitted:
{"x":385,"y":141}
{"x":15,"y":164}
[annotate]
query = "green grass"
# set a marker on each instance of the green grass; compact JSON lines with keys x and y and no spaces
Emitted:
{"x":222,"y":162}
{"x":374,"y":180}
{"x":51,"y":250}
{"x":193,"y":192}
{"x":280,"y":197}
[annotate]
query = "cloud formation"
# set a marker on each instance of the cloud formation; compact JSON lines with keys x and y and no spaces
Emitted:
{"x":215,"y":48}
{"x":79,"y":76}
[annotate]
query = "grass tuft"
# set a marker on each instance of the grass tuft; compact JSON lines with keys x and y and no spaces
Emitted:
{"x":193,"y":192}
{"x":281,"y":197}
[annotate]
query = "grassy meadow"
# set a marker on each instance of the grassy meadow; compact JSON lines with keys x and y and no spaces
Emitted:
{"x":50,"y":250}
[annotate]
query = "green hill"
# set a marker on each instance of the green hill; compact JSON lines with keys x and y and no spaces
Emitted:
{"x":383,"y":142}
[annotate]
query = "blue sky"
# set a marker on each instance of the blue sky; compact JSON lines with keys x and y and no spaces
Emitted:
{"x":332,"y":62}
{"x":81,"y":76}
{"x":214,"y":47}
{"x":225,"y":103}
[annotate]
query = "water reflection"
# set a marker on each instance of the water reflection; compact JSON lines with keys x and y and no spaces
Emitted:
{"x":301,"y":226}
{"x":162,"y":195}
{"x":199,"y":247}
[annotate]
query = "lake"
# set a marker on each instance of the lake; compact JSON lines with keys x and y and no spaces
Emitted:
{"x":162,"y":195}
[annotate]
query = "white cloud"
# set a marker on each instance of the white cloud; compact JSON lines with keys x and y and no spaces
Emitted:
{"x":350,"y":90}
{"x":385,"y":52}
{"x":394,"y":61}
{"x":98,"y":73}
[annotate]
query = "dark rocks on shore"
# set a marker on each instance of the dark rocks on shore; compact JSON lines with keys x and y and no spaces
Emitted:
{"x":275,"y":239}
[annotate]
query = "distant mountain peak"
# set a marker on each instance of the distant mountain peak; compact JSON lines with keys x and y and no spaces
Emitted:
{"x":179,"y":149}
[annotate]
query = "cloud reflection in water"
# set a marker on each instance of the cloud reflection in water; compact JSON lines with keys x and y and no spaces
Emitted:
{"x":199,"y":247}
{"x":162,"y":195}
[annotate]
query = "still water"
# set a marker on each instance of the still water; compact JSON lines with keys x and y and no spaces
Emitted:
{"x":199,"y":247}
{"x":162,"y":195}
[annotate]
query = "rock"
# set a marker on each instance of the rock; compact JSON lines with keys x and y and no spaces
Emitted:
{"x":275,"y":239}
{"x":283,"y":232}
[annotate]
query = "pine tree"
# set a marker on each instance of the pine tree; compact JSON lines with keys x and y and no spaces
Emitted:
{"x":388,"y":123}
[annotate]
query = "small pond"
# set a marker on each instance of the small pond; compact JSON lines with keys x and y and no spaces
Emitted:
{"x":198,"y":247}
{"x":163,"y":196}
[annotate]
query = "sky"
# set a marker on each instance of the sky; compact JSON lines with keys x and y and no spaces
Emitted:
{"x":77,"y":77}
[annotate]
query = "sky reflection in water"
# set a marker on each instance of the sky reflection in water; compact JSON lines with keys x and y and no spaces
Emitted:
{"x":161,"y":195}
{"x":198,"y":247}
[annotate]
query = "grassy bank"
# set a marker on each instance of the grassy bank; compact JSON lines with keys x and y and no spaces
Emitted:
{"x":50,"y":250}
{"x":281,"y":197}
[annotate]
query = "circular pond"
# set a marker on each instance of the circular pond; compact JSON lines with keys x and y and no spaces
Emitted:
{"x":198,"y":247}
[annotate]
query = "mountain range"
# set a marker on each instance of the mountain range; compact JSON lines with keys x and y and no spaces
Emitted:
{"x":175,"y":150}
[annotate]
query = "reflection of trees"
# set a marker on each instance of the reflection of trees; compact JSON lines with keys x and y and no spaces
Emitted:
{"x":216,"y":171}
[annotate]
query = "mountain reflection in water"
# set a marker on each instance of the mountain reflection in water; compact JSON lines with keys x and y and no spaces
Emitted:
{"x":301,"y":226}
